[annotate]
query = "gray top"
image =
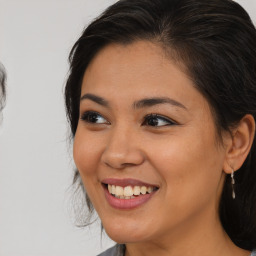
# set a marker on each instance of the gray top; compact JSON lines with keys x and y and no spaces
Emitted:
{"x":118,"y":250}
{"x":253,"y":253}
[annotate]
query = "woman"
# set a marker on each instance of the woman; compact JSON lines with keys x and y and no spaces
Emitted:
{"x":161,"y":103}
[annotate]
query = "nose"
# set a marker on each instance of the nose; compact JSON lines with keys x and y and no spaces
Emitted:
{"x":123,"y":149}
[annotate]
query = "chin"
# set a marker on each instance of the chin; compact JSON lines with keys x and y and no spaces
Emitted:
{"x":123,"y":234}
{"x":124,"y":237}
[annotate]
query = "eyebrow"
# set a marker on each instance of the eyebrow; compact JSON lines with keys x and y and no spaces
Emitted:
{"x":95,"y":98}
{"x":147,"y":102}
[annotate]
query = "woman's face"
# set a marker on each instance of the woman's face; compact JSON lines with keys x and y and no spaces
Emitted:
{"x":147,"y":134}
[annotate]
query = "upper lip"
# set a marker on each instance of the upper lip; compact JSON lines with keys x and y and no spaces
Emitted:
{"x":127,"y":182}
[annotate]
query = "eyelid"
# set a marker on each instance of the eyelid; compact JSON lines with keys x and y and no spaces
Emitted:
{"x":168,"y":120}
{"x":87,"y":113}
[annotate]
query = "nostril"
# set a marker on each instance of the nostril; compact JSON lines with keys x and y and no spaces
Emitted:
{"x":122,"y":160}
{"x":118,"y":164}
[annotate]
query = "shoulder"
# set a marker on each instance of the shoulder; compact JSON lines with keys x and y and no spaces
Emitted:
{"x":113,"y":251}
{"x":253,"y":253}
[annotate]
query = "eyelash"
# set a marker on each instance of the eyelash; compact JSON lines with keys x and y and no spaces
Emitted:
{"x":152,"y":117}
{"x":92,"y":117}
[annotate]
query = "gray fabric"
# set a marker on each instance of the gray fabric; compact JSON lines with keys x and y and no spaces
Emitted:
{"x":253,"y":253}
{"x":116,"y":251}
{"x":110,"y":252}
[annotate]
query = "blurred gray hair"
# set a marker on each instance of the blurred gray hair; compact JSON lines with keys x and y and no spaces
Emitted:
{"x":2,"y":86}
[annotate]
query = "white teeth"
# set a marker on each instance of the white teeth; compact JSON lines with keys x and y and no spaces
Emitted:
{"x":113,"y":189}
{"x":136,"y":190}
{"x":150,"y":189}
{"x":119,"y":191}
{"x":129,"y":192}
{"x":143,"y":190}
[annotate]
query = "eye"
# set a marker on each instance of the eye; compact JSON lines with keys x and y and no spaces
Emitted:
{"x":94,"y":118}
{"x":157,"y":120}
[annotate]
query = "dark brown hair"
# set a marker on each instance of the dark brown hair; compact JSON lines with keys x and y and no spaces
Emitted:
{"x":216,"y":41}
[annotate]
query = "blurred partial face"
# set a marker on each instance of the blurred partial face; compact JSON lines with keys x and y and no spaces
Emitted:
{"x":2,"y":86}
{"x":145,"y":145}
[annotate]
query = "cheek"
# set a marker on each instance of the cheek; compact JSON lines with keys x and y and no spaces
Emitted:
{"x":86,"y":152}
{"x":190,"y":168}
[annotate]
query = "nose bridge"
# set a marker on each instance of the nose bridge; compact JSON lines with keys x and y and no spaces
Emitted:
{"x":122,"y":147}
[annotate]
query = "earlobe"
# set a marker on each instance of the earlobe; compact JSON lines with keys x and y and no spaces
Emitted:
{"x":240,"y":144}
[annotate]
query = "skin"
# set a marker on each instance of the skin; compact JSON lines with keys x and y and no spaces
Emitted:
{"x":181,"y":157}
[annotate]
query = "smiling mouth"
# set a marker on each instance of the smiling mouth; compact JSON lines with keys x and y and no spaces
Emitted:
{"x":129,"y":192}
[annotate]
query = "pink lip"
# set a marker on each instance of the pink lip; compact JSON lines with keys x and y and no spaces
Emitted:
{"x":126,"y":182}
{"x":126,"y":204}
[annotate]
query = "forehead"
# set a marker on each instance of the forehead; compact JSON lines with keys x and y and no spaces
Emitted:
{"x":142,"y":63}
{"x":134,"y":57}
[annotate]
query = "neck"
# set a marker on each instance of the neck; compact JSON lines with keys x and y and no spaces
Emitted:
{"x":197,"y":238}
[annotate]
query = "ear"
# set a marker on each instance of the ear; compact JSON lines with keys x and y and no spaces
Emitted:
{"x":239,"y":144}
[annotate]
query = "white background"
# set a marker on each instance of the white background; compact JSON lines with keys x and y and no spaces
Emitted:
{"x":35,"y":163}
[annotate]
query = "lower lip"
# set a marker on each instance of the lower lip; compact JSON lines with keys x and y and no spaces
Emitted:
{"x":127,"y":204}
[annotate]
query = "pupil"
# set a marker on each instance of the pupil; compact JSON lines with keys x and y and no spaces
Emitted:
{"x":153,"y":121}
{"x":93,"y":118}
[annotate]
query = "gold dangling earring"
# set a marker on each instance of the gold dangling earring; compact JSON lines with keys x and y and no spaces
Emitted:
{"x":233,"y":185}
